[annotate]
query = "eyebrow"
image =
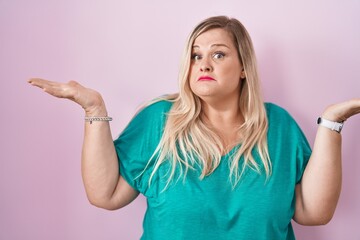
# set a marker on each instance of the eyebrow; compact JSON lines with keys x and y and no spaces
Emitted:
{"x":213,"y":45}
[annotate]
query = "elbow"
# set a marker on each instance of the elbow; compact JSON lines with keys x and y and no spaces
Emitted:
{"x":325,"y":219}
{"x":103,"y":203}
{"x":318,"y":222}
{"x":315,"y":220}
{"x":321,"y":221}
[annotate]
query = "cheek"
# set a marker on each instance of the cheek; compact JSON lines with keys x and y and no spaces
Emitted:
{"x":232,"y":73}
{"x":191,"y":72}
{"x":192,"y":77}
{"x":192,"y":84}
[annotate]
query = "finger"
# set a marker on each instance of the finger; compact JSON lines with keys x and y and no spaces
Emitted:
{"x":57,"y":90}
{"x":355,"y":102}
{"x":53,"y":88}
{"x":37,"y":80}
{"x":41,"y":83}
{"x":348,"y":108}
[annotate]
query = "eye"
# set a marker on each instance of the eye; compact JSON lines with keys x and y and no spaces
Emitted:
{"x":195,"y":56}
{"x":218,"y":55}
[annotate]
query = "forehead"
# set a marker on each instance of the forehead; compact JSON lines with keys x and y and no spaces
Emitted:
{"x":214,"y":36}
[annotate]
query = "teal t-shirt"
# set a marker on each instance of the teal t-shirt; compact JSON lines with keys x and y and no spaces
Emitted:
{"x":210,"y":209}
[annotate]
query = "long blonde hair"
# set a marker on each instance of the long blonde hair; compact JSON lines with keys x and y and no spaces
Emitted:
{"x":187,"y":141}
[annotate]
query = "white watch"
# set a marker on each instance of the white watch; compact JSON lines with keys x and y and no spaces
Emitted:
{"x":335,"y":126}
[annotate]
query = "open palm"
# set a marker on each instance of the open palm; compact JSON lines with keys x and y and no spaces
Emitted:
{"x":89,"y":99}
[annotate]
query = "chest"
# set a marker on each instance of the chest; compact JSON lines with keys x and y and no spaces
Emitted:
{"x":212,"y":201}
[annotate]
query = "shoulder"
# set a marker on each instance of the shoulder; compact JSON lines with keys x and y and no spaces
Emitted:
{"x":157,"y":105}
{"x":151,"y":116}
{"x":275,"y":112}
{"x":279,"y":118}
{"x":155,"y":108}
{"x":149,"y":119}
{"x":280,"y":121}
{"x":272,"y":108}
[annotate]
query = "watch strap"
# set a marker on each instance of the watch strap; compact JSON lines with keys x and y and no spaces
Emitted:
{"x":335,"y":126}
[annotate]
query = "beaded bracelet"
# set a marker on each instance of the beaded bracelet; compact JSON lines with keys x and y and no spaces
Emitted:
{"x":91,"y":119}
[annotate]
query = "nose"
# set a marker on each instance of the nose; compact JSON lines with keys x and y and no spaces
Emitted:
{"x":205,"y":66}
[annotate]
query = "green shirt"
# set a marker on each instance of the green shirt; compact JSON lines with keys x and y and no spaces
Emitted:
{"x":209,"y":208}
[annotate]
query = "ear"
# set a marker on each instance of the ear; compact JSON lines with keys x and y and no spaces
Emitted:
{"x":242,"y":75}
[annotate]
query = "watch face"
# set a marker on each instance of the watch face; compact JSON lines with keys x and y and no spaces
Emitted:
{"x":319,"y":120}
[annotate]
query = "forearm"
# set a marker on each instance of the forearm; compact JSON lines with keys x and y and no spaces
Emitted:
{"x":100,"y":170}
{"x":321,"y":183}
{"x":104,"y":186}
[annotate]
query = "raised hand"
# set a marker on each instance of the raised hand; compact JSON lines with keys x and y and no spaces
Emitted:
{"x":89,"y":99}
{"x":342,"y":111}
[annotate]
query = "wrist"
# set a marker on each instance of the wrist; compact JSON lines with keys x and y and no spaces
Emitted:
{"x":96,"y":111}
{"x":329,"y":115}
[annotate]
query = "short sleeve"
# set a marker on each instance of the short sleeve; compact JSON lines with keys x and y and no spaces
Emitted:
{"x":287,"y":143}
{"x":303,"y":152}
{"x":137,"y":143}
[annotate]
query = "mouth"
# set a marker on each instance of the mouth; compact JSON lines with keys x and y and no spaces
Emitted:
{"x":206,"y":78}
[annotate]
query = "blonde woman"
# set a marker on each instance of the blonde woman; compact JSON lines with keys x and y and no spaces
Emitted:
{"x":214,"y":160}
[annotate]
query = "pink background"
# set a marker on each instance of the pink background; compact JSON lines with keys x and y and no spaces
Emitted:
{"x":309,"y":57}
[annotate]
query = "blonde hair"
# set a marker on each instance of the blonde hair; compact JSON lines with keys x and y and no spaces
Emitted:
{"x":187,"y":141}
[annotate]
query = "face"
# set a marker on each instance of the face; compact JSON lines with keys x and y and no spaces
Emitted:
{"x":215,"y":70}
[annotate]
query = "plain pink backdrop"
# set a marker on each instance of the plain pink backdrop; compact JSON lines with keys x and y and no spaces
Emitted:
{"x":309,"y":57}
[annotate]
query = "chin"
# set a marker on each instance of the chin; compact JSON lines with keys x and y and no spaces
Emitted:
{"x":204,"y":92}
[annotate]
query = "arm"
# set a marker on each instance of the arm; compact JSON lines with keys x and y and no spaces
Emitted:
{"x":104,"y":186}
{"x":318,"y":193}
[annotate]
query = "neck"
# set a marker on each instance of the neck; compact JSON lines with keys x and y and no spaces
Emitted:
{"x":222,"y":115}
{"x":224,"y":119}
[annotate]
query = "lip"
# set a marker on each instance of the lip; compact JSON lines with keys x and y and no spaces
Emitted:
{"x":206,"y":78}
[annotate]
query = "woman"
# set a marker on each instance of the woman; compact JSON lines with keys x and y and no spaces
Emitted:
{"x":214,"y":161}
